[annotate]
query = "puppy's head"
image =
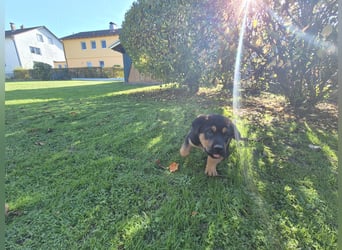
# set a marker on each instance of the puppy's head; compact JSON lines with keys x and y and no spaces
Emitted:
{"x":215,"y":133}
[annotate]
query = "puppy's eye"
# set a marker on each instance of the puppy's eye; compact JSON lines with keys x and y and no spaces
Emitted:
{"x":209,"y":133}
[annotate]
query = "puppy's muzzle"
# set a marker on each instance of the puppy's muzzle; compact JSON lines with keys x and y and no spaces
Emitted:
{"x":217,"y":151}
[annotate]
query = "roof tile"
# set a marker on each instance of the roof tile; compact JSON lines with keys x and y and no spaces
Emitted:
{"x":95,"y":33}
{"x":18,"y":31}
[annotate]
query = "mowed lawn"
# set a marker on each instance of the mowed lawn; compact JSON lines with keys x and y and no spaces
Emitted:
{"x":87,"y":168}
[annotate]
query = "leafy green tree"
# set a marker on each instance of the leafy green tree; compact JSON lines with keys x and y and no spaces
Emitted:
{"x":292,"y":49}
{"x":169,"y":39}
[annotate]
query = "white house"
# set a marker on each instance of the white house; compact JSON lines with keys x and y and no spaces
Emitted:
{"x":24,"y":46}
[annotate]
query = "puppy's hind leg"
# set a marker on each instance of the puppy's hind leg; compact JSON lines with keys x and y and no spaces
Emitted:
{"x":186,"y":147}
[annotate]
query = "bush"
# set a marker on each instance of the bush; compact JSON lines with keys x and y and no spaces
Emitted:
{"x":95,"y":72}
{"x":44,"y":71}
{"x":21,"y":74}
{"x":41,"y":71}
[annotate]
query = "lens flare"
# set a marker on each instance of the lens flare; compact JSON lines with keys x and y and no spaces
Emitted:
{"x":327,"y":46}
{"x":237,"y":74}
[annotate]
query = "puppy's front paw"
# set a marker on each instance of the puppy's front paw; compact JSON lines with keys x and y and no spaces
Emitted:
{"x":210,"y":168}
{"x":211,"y":171}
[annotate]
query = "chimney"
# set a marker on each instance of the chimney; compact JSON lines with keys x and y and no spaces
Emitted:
{"x":112,"y":26}
{"x":12,"y":26}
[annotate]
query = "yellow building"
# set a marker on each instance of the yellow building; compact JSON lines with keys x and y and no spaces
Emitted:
{"x":91,"y":49}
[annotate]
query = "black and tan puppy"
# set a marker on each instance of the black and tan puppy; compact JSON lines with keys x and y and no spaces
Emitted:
{"x":213,"y":134}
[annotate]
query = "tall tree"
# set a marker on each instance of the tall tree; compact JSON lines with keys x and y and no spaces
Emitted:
{"x":158,"y":37}
{"x":292,"y":44}
{"x":188,"y":41}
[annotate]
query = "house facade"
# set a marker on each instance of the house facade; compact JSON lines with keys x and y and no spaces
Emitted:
{"x":91,"y":49}
{"x":24,"y":46}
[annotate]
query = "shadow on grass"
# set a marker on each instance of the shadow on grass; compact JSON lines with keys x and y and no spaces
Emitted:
{"x":297,"y":184}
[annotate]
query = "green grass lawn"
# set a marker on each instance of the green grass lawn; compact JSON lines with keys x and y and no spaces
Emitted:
{"x":86,"y":168}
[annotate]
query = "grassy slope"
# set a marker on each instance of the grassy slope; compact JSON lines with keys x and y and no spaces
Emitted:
{"x":86,"y":169}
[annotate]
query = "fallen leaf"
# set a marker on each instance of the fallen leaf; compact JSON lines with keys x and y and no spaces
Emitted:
{"x":173,"y":167}
{"x":39,"y":143}
{"x":194,"y":213}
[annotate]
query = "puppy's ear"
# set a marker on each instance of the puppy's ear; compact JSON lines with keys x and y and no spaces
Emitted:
{"x":233,"y":131}
{"x":197,"y":123}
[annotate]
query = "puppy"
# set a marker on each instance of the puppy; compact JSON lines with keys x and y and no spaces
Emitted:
{"x":213,"y":134}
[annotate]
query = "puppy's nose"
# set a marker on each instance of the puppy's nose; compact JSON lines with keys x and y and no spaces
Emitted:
{"x":218,"y":148}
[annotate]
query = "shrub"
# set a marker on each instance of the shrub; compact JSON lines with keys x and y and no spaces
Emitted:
{"x":41,"y":71}
{"x":21,"y":74}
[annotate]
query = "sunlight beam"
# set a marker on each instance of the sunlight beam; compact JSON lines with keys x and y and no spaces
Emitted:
{"x":237,"y":74}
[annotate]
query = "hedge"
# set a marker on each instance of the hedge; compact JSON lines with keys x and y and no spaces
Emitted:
{"x":67,"y":73}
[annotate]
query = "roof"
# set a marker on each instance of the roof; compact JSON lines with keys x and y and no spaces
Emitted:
{"x":117,"y":46}
{"x":19,"y":31}
{"x":10,"y":33}
{"x":95,"y":33}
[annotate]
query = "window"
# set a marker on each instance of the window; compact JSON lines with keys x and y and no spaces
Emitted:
{"x":103,"y":44}
{"x":89,"y":64}
{"x":40,"y":38}
{"x":93,"y":44}
{"x":35,"y":50}
{"x":50,"y":40}
{"x":101,"y":64}
{"x":83,"y":45}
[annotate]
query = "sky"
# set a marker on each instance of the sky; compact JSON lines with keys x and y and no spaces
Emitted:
{"x":66,"y":17}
